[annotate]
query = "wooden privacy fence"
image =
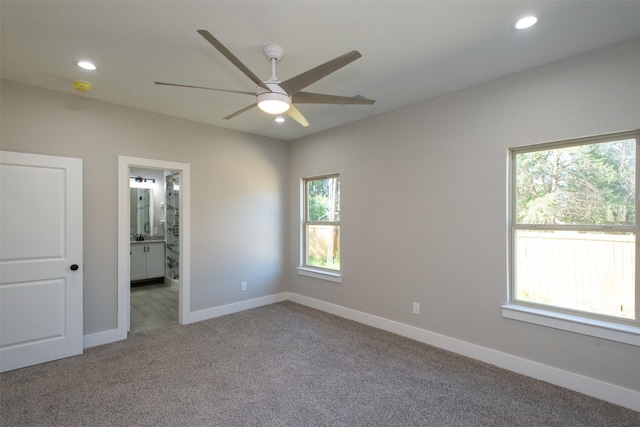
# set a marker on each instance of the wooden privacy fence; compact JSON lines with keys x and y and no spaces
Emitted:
{"x":585,"y":271}
{"x":323,"y":240}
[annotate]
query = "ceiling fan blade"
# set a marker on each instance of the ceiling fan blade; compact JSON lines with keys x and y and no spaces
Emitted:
{"x":320,"y":98}
{"x":231,"y":57}
{"x":207,"y":88}
{"x":299,"y":82}
{"x":232,"y":115}
{"x":296,"y":115}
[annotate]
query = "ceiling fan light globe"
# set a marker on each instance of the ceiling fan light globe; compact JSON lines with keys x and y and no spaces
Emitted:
{"x":273,"y":103}
{"x":273,"y":107}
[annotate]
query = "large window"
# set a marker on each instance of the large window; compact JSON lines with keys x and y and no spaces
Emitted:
{"x":321,"y":224}
{"x":574,"y":228}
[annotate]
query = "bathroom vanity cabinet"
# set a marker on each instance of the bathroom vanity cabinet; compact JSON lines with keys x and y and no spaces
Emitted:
{"x":147,"y":260}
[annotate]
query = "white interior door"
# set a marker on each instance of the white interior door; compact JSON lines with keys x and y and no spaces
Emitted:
{"x":40,"y":259}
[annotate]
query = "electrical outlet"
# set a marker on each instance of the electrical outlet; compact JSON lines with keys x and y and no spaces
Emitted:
{"x":416,"y":308}
{"x":244,"y":286}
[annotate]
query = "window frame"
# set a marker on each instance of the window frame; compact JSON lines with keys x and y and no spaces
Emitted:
{"x":598,"y":325}
{"x":305,"y":269}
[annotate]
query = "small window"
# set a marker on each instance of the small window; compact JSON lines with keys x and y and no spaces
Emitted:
{"x":321,"y":224}
{"x":574,"y":227}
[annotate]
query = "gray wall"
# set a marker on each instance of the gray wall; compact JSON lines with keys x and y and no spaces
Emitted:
{"x":424,"y":207}
{"x":238,"y":192}
{"x":423,"y":200}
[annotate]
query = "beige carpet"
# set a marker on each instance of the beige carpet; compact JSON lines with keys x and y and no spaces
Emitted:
{"x":286,"y":365}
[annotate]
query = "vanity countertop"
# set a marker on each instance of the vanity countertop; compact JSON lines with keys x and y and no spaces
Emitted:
{"x":136,"y":242}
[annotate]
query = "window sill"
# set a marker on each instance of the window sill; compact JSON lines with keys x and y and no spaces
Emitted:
{"x":320,"y":274}
{"x":611,"y":331}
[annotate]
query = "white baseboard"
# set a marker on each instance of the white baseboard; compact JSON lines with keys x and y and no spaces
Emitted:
{"x":101,"y":338}
{"x":175,"y":284}
{"x":585,"y":385}
{"x":223,"y":310}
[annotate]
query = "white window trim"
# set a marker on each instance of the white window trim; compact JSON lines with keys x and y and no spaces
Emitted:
{"x":320,"y":274}
{"x":303,"y":269}
{"x":612,"y":331}
{"x":617,"y":331}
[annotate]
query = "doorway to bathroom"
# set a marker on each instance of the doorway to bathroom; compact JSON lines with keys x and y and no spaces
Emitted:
{"x":154,"y":224}
{"x":153,"y":242}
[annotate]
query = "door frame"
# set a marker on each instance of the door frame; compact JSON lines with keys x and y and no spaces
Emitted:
{"x":124,"y":238}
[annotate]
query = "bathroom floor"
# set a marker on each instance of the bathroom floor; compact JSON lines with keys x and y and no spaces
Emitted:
{"x":153,"y":306}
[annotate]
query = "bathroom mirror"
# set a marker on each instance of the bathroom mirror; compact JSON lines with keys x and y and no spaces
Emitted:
{"x":141,"y":211}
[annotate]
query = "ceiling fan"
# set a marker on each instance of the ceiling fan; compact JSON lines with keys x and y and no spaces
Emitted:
{"x":276,"y":97}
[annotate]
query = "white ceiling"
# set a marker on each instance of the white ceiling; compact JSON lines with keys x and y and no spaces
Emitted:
{"x":411,"y":50}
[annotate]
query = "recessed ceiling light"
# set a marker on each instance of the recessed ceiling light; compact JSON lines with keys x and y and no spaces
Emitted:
{"x":279,"y":119}
{"x":526,"y":22}
{"x":86,"y":65}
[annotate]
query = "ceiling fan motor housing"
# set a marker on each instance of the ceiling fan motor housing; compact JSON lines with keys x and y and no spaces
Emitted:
{"x":273,"y":52}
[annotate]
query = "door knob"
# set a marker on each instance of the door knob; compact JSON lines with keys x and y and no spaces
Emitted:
{"x":74,"y":267}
